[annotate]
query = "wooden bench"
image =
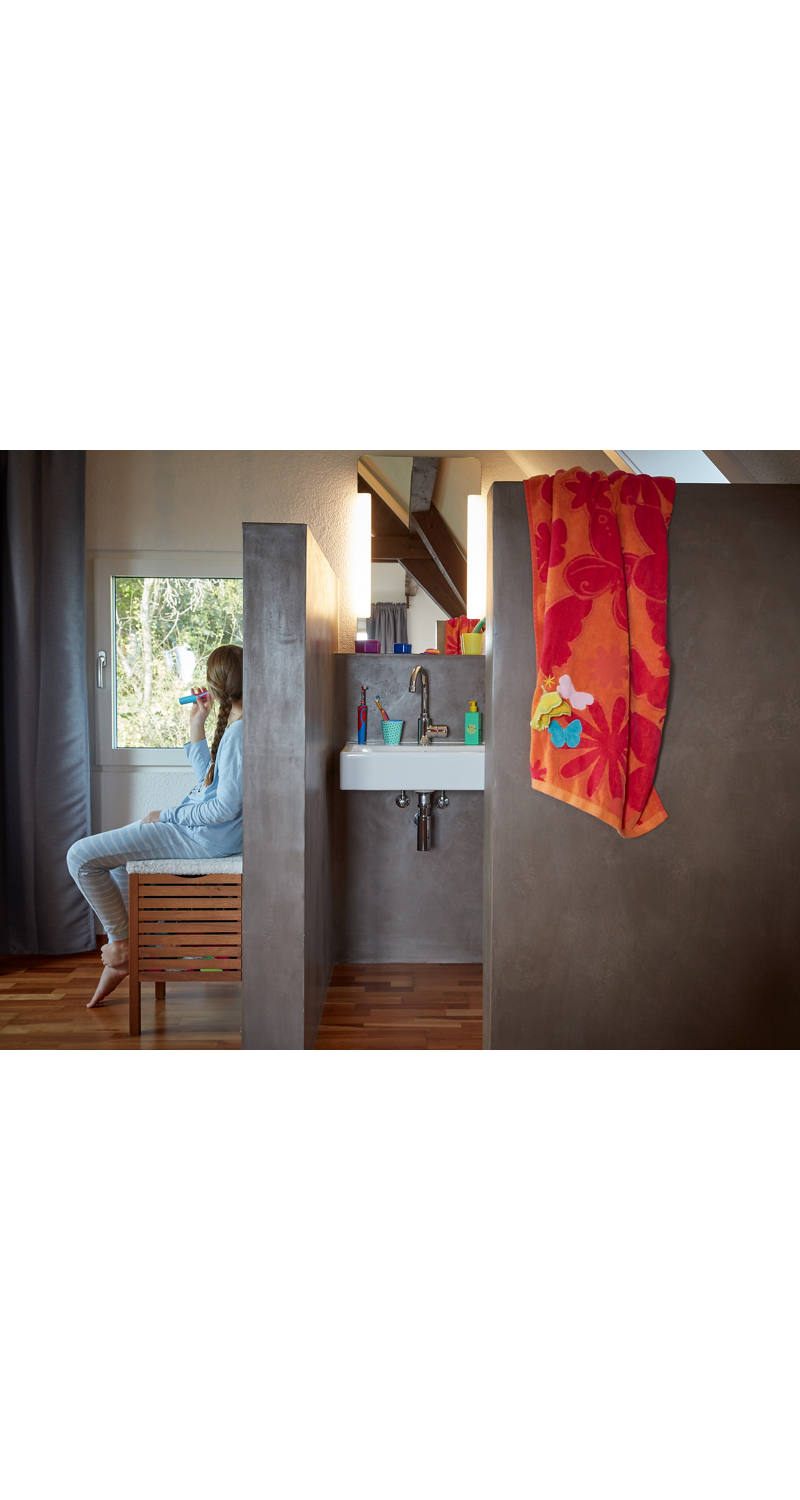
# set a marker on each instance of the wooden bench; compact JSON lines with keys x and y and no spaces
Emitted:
{"x":185,"y":925}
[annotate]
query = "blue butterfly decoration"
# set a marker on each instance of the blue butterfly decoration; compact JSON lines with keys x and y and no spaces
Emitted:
{"x":570,"y":735}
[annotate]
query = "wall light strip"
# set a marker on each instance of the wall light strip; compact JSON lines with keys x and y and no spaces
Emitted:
{"x":361,"y":557}
{"x":476,"y":557}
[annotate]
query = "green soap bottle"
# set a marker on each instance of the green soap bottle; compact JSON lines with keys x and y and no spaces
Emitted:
{"x":472,"y":724}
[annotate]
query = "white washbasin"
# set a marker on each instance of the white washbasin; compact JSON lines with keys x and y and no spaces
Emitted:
{"x":411,"y":768}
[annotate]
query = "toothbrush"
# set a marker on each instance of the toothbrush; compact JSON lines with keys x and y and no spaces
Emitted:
{"x":382,"y":711}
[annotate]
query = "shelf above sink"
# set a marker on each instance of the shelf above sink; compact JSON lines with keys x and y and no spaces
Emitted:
{"x":411,"y":768}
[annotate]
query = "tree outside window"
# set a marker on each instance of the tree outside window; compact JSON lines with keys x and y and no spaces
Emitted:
{"x":165,"y":629}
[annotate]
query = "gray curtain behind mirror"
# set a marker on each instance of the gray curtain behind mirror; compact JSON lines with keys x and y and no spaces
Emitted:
{"x":388,"y":623}
{"x":44,"y":746}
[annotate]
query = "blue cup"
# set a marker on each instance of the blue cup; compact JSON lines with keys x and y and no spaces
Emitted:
{"x":402,"y":648}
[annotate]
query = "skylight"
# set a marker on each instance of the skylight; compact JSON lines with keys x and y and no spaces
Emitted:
{"x":684,"y":464}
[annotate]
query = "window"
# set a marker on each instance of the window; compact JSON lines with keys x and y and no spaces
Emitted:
{"x":157,"y":617}
{"x":686,"y":465}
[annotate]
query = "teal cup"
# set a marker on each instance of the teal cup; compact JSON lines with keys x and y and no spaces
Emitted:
{"x":392,"y":730}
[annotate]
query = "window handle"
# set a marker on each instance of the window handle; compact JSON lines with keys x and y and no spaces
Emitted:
{"x":101,"y":663}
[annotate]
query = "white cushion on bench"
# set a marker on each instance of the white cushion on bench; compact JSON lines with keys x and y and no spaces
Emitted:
{"x":231,"y":865}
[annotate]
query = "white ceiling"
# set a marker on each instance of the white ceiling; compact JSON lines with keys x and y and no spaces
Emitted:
{"x":757,"y":466}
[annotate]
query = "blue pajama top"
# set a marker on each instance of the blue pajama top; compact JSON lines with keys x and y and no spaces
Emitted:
{"x":212,"y":815}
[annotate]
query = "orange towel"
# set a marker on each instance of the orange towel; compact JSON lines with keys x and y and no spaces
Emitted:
{"x":452,"y":633}
{"x":599,"y":554}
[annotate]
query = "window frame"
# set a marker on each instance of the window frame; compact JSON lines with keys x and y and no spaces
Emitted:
{"x":106,"y":566}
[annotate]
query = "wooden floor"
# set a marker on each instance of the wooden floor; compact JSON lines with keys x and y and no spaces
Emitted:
{"x":431,"y":1006}
{"x":403,"y":1006}
{"x":43,"y":1004}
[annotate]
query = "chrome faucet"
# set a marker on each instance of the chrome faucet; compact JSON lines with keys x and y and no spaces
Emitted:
{"x":426,"y":731}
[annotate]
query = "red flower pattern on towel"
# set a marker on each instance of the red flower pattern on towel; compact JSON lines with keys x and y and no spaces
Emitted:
{"x":590,"y":577}
{"x":645,"y":685}
{"x":650,"y":572}
{"x":550,"y":546}
{"x":601,"y":571}
{"x":606,"y":749}
{"x":641,"y":489}
{"x":562,"y":623}
{"x":600,"y":615}
{"x":658,"y":616}
{"x":645,"y":743}
{"x":606,"y":664}
{"x":589,"y":489}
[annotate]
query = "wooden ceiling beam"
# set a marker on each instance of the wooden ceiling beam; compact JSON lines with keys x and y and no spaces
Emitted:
{"x":384,"y":520}
{"x":393,"y":548}
{"x":444,"y":551}
{"x":368,"y":480}
{"x":432,"y":580}
{"x":424,"y":475}
{"x":429,"y":551}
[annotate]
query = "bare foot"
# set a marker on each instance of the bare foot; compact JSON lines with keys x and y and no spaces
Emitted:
{"x":115,"y":954}
{"x":109,"y":979}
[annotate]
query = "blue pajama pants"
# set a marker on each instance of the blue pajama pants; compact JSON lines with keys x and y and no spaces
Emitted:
{"x":97,"y":865}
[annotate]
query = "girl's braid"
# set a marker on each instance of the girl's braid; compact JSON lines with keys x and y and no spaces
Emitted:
{"x":225,"y":706}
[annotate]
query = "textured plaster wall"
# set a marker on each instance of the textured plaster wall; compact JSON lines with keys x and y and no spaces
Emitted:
{"x":124,"y":795}
{"x":197,"y":501}
{"x":290,"y":642}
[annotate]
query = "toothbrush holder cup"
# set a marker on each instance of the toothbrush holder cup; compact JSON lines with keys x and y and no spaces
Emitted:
{"x":392,"y":731}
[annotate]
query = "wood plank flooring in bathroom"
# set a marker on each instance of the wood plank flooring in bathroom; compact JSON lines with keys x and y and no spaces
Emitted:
{"x":415,"y":1006}
{"x":380,"y":1006}
{"x":43,"y":1005}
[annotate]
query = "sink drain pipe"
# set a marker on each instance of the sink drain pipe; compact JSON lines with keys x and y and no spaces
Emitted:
{"x":423,"y":817}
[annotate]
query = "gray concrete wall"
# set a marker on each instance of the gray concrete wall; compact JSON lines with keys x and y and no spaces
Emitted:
{"x":394,"y":904}
{"x":290,"y":637}
{"x":688,"y":936}
{"x":321,"y":781}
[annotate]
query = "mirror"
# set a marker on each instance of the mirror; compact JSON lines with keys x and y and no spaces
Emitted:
{"x":419,"y":537}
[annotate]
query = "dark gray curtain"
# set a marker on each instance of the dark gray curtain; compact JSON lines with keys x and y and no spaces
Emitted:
{"x":44,"y":745}
{"x":388,"y":623}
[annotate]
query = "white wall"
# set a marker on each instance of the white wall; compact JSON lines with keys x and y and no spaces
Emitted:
{"x":198,"y":501}
{"x":422,"y":616}
{"x":388,"y":584}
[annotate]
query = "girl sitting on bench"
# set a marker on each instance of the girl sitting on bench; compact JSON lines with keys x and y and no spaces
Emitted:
{"x":207,"y":824}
